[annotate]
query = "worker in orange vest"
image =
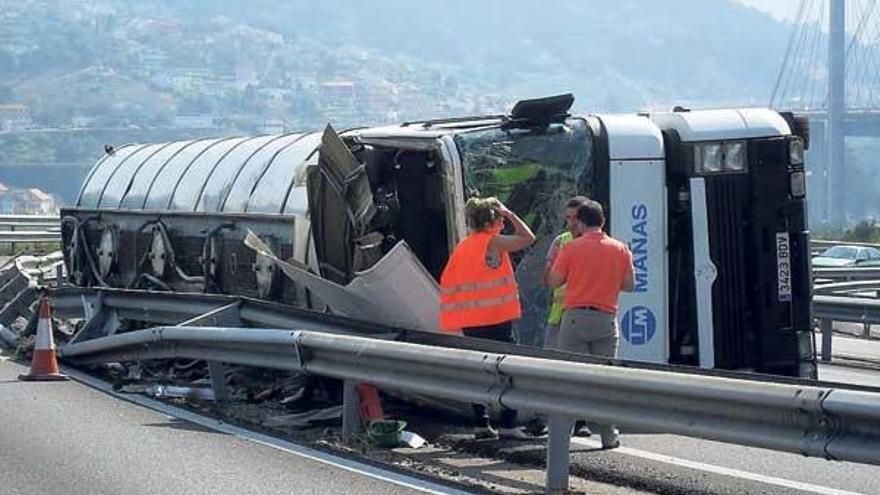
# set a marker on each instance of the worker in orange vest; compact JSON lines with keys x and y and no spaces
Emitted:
{"x":478,"y":292}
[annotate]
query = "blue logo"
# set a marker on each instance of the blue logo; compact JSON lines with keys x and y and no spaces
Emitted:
{"x":639,"y":325}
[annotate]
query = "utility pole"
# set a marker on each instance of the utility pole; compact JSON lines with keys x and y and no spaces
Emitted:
{"x":836,"y":183}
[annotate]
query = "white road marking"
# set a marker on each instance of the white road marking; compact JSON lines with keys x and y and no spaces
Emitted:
{"x":711,"y":468}
{"x":289,"y":447}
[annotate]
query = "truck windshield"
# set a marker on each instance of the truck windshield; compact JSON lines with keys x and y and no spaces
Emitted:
{"x":534,"y":174}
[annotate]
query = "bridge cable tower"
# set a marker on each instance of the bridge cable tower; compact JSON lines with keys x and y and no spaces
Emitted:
{"x":831,"y":71}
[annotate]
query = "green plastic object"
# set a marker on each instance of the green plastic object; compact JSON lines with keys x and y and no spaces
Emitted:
{"x":385,"y":433}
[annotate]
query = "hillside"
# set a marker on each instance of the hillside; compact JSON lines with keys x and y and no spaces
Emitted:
{"x":150,"y":60}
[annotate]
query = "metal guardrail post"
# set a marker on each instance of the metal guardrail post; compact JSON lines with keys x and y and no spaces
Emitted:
{"x":558,"y":449}
{"x":351,"y":411}
{"x":217,"y":372}
{"x":60,"y":279}
{"x":227,"y":315}
{"x":825,"y":327}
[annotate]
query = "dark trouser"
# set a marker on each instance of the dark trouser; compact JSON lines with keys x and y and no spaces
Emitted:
{"x":502,"y":332}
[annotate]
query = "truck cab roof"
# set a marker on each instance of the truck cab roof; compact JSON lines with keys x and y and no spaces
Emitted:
{"x":714,"y":125}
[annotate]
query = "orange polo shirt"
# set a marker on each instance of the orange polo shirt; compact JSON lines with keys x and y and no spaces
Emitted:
{"x":594,"y":266}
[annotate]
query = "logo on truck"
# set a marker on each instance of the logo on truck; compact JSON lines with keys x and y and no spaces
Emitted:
{"x":639,"y":322}
{"x":639,"y":325}
{"x":638,"y":245}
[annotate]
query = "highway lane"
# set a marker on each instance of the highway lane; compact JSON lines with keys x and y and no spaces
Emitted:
{"x":671,"y":464}
{"x":125,"y":447}
{"x":847,"y":374}
{"x":69,"y":438}
{"x":658,"y":462}
{"x":685,"y":465}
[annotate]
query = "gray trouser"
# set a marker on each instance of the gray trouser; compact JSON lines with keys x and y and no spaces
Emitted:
{"x":588,"y":331}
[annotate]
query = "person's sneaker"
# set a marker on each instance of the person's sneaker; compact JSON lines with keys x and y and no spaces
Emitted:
{"x":611,"y":440}
{"x":513,"y":434}
{"x":486,"y":433}
{"x":581,"y":430}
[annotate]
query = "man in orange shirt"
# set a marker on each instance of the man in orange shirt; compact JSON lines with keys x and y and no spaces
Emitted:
{"x":594,"y":268}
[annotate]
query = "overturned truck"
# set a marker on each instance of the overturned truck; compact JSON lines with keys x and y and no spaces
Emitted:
{"x":711,"y":202}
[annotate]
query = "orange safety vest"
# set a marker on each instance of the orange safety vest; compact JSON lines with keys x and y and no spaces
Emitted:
{"x":471,"y":293}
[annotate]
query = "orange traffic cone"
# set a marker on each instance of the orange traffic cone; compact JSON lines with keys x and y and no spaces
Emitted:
{"x":44,"y":366}
{"x":371,"y":405}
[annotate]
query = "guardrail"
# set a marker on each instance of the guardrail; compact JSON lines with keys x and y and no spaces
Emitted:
{"x":855,"y":273}
{"x":828,"y":309}
{"x":815,"y":421}
{"x":29,"y":229}
{"x":827,"y":243}
{"x":840,"y":288}
{"x":49,"y":220}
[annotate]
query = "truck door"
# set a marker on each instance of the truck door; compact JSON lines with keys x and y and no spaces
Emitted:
{"x":340,"y":207}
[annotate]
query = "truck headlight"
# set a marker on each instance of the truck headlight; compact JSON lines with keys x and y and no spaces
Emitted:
{"x":735,"y":156}
{"x":796,"y":151}
{"x":712,"y":158}
{"x":797,"y":184}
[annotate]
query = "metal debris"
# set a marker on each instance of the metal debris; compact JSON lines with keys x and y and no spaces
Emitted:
{"x":173,"y":391}
{"x":305,"y":419}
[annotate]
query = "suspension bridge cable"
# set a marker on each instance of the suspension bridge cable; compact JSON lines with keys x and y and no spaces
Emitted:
{"x":815,"y":49}
{"x":804,"y":69}
{"x":872,"y":65}
{"x":796,"y":67}
{"x":788,"y":47}
{"x":857,"y":54}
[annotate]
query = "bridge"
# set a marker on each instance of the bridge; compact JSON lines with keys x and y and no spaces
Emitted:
{"x":831,"y":72}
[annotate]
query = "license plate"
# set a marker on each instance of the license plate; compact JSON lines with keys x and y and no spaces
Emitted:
{"x":783,"y":266}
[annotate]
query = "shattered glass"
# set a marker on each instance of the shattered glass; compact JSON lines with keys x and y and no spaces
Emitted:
{"x":534,"y":173}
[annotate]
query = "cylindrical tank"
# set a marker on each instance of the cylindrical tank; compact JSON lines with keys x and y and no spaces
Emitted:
{"x":172,"y":216}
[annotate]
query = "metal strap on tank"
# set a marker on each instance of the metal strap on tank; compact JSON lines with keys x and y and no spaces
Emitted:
{"x":230,"y":184}
{"x":268,"y":164}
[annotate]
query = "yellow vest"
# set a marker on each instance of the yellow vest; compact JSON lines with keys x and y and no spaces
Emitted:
{"x":554,"y":316}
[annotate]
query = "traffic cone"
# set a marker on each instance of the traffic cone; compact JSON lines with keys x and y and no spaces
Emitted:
{"x":44,"y":366}
{"x":371,"y":405}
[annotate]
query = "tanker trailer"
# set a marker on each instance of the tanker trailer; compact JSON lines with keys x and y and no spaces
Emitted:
{"x":711,"y":203}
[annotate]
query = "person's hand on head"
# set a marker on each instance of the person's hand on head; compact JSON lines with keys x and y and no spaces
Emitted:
{"x":499,"y":208}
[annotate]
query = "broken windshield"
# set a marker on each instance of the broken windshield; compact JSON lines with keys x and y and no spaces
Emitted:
{"x":534,"y":174}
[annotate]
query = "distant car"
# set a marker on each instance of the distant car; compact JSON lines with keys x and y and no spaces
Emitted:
{"x":843,"y":256}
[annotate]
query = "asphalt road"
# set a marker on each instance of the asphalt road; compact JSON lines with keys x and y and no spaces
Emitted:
{"x":676,"y":464}
{"x":68,"y":438}
{"x":847,"y":374}
{"x":651,"y":462}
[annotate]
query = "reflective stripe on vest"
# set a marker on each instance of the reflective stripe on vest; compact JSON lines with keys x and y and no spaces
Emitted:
{"x":469,"y":287}
{"x":471,"y":293}
{"x":557,"y":306}
{"x":479,"y":303}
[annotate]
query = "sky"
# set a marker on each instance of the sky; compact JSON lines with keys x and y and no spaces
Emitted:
{"x":780,"y":9}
